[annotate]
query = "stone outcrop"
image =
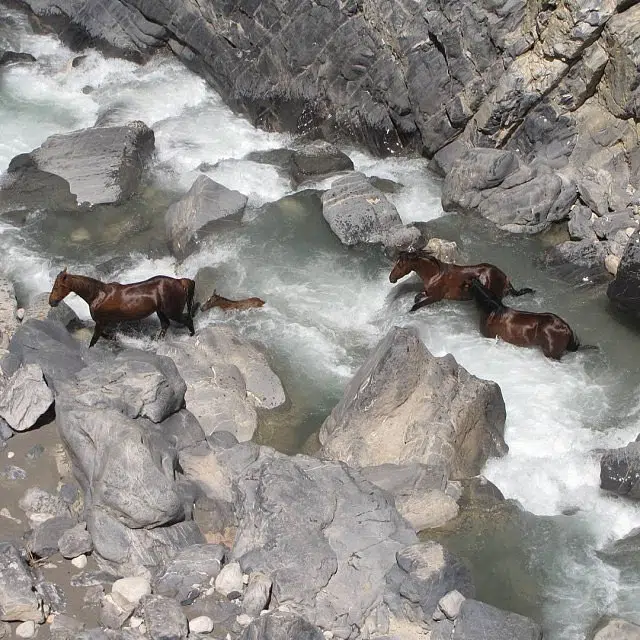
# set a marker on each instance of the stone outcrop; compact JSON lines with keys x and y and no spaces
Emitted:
{"x":556,"y":84}
{"x":620,"y":471}
{"x":624,"y":291}
{"x":404,"y":405}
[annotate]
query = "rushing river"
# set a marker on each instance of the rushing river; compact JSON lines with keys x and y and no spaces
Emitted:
{"x":327,"y":306}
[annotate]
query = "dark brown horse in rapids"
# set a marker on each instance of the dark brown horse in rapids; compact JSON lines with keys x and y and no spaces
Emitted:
{"x":451,"y":281}
{"x":523,"y":328}
{"x":227,"y":305}
{"x":112,"y":302}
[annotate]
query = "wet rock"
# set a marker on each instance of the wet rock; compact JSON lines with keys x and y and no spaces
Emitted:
{"x":25,"y":398}
{"x":164,"y":619}
{"x":40,"y":309}
{"x":40,"y":505}
{"x":581,"y":221}
{"x":430,"y":408}
{"x":12,"y":57}
{"x":257,"y":595}
{"x":243,"y":380}
{"x":577,"y":260}
{"x":76,"y":541}
{"x":43,"y":541}
{"x":500,"y":187}
{"x":616,"y":629}
{"x":35,"y":452}
{"x":201,"y":624}
{"x":11,"y":472}
{"x":197,"y":213}
{"x":102,"y":164}
{"x":495,"y":623}
{"x":229,"y":581}
{"x":53,"y":595}
{"x":18,"y":600}
{"x":192,"y":567}
{"x":620,"y":471}
{"x":624,"y":291}
{"x":281,"y":625}
{"x":425,"y":572}
{"x":357,"y":212}
{"x":206,"y":279}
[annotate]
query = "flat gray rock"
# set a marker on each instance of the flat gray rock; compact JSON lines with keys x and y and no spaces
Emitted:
{"x":18,"y":600}
{"x":102,"y":164}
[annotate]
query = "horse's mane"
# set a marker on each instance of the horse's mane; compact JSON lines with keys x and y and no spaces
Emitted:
{"x":485,"y":298}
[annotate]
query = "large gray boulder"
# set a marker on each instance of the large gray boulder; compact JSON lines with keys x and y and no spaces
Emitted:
{"x":318,"y":555}
{"x":404,"y":405}
{"x":197,"y":213}
{"x":500,"y":187}
{"x":102,"y":165}
{"x":227,"y":379}
{"x":25,"y":398}
{"x":281,"y":625}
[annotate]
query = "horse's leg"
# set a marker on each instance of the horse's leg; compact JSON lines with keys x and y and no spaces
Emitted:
{"x":187,"y":321}
{"x":164,"y":324}
{"x":423,"y":303}
{"x":420,"y":295}
{"x":97,"y":332}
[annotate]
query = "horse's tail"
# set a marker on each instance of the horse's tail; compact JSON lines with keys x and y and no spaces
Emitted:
{"x":485,"y":298}
{"x":574,"y":344}
{"x":511,"y":291}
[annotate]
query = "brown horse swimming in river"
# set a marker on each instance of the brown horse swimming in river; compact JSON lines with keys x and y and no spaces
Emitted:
{"x":224,"y":303}
{"x":443,"y":280}
{"x":523,"y":328}
{"x":111,"y":302}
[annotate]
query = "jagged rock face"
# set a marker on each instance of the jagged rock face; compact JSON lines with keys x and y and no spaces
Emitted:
{"x":624,"y":291}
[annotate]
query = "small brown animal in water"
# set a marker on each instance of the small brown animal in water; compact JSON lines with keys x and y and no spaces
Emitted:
{"x":224,"y":303}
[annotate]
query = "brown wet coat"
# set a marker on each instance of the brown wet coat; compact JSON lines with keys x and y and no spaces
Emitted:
{"x":225,"y":303}
{"x":112,"y":302}
{"x":524,"y":328}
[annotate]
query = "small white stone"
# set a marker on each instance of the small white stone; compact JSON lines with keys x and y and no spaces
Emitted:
{"x":210,"y":591}
{"x":264,"y":612}
{"x":244,"y":620}
{"x":245,"y":578}
{"x":131,"y":589}
{"x":20,"y":314}
{"x":229,"y":579}
{"x":26,"y":629}
{"x":142,"y":629}
{"x":135,"y":622}
{"x":201,"y":624}
{"x":611,"y":264}
{"x":79,"y":561}
{"x":10,"y":454}
{"x":328,"y":634}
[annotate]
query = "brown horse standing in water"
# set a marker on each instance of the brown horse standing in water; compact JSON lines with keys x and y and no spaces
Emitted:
{"x":443,"y":280}
{"x":523,"y":328}
{"x":111,"y":302}
{"x":224,"y":303}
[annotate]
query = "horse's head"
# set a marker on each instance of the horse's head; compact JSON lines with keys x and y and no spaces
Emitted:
{"x":61,"y":288}
{"x":404,"y":265}
{"x":213,"y":301}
